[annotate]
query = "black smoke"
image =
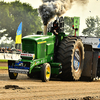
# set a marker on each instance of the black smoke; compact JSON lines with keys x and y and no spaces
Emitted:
{"x":51,"y":8}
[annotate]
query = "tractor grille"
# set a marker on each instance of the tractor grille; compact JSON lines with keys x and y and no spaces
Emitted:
{"x":28,"y":46}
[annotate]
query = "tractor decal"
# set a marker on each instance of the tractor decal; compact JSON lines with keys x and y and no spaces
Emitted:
{"x":41,"y":42}
{"x":76,"y":60}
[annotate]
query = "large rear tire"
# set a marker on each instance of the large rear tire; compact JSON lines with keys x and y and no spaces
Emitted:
{"x":71,"y":55}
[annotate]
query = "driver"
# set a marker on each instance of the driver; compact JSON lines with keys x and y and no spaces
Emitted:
{"x":55,"y":29}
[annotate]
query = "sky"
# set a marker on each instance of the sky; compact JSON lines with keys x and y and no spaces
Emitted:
{"x":92,"y":8}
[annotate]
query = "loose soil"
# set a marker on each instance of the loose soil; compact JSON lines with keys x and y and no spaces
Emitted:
{"x":24,"y":88}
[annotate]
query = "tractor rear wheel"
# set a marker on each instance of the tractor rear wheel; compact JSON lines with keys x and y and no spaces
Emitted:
{"x":71,"y":55}
{"x":45,"y":72}
{"x":13,"y":75}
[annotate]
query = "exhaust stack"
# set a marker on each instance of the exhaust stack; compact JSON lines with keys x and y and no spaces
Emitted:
{"x":45,"y":30}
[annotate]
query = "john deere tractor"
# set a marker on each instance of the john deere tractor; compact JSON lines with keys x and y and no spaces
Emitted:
{"x":71,"y":59}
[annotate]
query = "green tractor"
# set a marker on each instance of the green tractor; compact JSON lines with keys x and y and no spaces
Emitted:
{"x":67,"y":60}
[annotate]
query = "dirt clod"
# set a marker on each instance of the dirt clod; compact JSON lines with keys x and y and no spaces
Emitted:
{"x":12,"y":87}
{"x":87,"y":98}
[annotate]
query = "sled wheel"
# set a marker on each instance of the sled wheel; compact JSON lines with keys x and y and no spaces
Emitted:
{"x":13,"y":75}
{"x":71,"y":55}
{"x":45,"y":72}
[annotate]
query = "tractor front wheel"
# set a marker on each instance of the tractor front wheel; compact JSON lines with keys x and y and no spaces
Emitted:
{"x":13,"y":75}
{"x":45,"y":72}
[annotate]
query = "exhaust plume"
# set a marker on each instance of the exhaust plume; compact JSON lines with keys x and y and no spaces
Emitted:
{"x":51,"y":8}
{"x":45,"y":30}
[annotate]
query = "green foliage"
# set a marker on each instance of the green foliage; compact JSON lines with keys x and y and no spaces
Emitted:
{"x":3,"y":60}
{"x":93,"y":27}
{"x":68,"y":22}
{"x":11,"y":14}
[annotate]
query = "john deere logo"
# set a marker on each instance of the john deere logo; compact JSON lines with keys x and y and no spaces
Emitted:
{"x":41,"y":42}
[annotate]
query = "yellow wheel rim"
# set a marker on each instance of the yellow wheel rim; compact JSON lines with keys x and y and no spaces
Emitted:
{"x":15,"y":74}
{"x":48,"y":72}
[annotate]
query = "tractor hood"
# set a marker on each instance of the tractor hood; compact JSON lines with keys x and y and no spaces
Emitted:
{"x":39,"y":38}
{"x":39,"y":45}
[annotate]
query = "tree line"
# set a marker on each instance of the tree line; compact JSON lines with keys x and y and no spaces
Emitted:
{"x":92,"y":26}
{"x":11,"y":14}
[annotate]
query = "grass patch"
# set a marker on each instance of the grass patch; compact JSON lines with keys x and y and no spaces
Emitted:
{"x":3,"y":60}
{"x":1,"y":67}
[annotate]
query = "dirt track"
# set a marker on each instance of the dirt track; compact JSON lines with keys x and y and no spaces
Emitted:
{"x":33,"y":89}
